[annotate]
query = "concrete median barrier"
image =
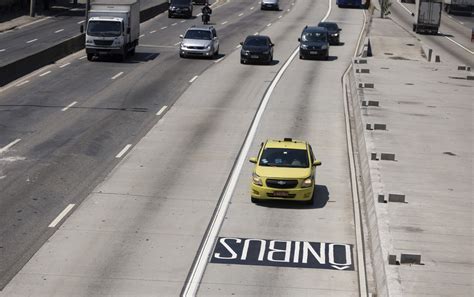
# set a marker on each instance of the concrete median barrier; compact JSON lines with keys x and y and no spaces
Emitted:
{"x":21,"y":67}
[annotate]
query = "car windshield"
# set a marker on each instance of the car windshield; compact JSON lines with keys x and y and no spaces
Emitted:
{"x":104,"y":28}
{"x":198,"y":34}
{"x":282,"y":157}
{"x":180,"y":2}
{"x":329,"y":26}
{"x":314,"y":36}
{"x":255,"y":42}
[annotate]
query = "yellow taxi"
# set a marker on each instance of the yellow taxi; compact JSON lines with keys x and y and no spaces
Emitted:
{"x":284,"y":170}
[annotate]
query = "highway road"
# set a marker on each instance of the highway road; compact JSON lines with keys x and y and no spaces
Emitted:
{"x":39,"y":35}
{"x":454,"y":41}
{"x":116,"y":176}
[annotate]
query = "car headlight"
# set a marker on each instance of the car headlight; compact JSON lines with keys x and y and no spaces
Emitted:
{"x":308,"y":182}
{"x":304,"y":46}
{"x":335,"y":34}
{"x":89,"y":41}
{"x":208,"y":47}
{"x":256,"y":179}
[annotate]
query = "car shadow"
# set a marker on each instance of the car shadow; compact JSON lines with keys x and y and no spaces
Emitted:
{"x":139,"y":57}
{"x":320,"y":199}
{"x":339,"y":44}
{"x":332,"y":58}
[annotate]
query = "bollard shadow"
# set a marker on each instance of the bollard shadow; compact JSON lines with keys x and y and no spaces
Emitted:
{"x":320,"y":199}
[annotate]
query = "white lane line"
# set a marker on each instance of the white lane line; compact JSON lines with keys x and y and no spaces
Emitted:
{"x":64,"y":65}
{"x":161,"y":110}
{"x":404,"y":7}
{"x":280,"y":16}
{"x":2,"y":50}
{"x":195,"y":275}
{"x":269,"y":25}
{"x":69,"y":106}
{"x":241,"y":14}
{"x":177,"y":43}
{"x":354,"y":185}
{"x":32,"y":23}
{"x":141,"y":36}
{"x":238,"y":45}
{"x":223,"y":23}
{"x":251,"y":8}
{"x":81,"y":22}
{"x":193,"y":79}
{"x":117,"y":75}
{"x":46,"y":73}
{"x":174,"y":24}
{"x":217,"y":61}
{"x":83,"y":57}
{"x":462,"y":46}
{"x":183,"y":21}
{"x":462,"y":23}
{"x":151,"y":32}
{"x":162,"y":28}
{"x":22,"y":83}
{"x":61,"y":216}
{"x":288,"y":10}
{"x":8,"y":146}
{"x":199,"y":14}
{"x":32,"y":40}
{"x":60,"y":30}
{"x":292,"y":3}
{"x":123,"y":151}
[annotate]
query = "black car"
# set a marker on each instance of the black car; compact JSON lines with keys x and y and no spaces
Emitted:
{"x":333,"y":31}
{"x":181,"y":8}
{"x":256,"y":48}
{"x":314,"y":42}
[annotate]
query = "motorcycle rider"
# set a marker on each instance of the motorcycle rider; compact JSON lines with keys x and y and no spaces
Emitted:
{"x":206,"y":13}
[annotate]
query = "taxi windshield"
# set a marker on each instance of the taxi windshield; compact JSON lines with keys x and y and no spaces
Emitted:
{"x":283,"y":157}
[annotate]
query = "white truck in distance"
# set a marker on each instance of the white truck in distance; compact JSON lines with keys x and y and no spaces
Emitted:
{"x":459,"y":6}
{"x":113,"y":28}
{"x":427,"y":16}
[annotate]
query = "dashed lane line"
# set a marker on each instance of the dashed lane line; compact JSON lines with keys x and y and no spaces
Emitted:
{"x":69,"y":106}
{"x":83,"y":57}
{"x":161,"y":110}
{"x":117,"y":75}
{"x":193,"y":79}
{"x":2,"y":50}
{"x":61,"y":216}
{"x":141,"y":36}
{"x":162,"y":28}
{"x":223,"y":23}
{"x":151,"y":32}
{"x":174,"y":24}
{"x":80,"y":22}
{"x":32,"y":40}
{"x":123,"y":151}
{"x":269,"y":25}
{"x":45,"y":73}
{"x":8,"y":146}
{"x":64,"y":65}
{"x":60,"y":30}
{"x":22,"y":83}
{"x":241,"y":14}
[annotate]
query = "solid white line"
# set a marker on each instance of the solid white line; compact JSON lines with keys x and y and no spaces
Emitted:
{"x":462,"y":46}
{"x":81,"y":22}
{"x":61,"y":216}
{"x":217,"y":61}
{"x":64,"y":65}
{"x":69,"y":106}
{"x":141,"y":36}
{"x":404,"y":7}
{"x":162,"y":28}
{"x":193,"y":79}
{"x":22,"y":83}
{"x":8,"y":146}
{"x":123,"y":151}
{"x":223,"y":23}
{"x":174,"y":24}
{"x":161,"y":110}
{"x":60,"y":30}
{"x":46,"y":73}
{"x":117,"y":75}
{"x":83,"y":57}
{"x":241,"y":14}
{"x":354,"y":186}
{"x":151,"y":32}
{"x":32,"y":40}
{"x":35,"y":22}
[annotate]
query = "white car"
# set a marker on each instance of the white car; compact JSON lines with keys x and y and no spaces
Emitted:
{"x":199,"y":41}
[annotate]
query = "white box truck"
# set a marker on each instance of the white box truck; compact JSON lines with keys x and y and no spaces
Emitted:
{"x":459,"y":6}
{"x":113,"y":28}
{"x":427,"y":16}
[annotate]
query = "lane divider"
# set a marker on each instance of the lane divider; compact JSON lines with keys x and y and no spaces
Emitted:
{"x":61,"y":215}
{"x":117,"y":75}
{"x":32,"y":40}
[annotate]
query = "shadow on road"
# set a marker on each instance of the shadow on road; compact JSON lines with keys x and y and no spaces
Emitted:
{"x":320,"y":199}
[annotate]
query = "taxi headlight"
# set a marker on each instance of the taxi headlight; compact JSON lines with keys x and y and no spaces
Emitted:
{"x":256,"y":179}
{"x":308,"y":182}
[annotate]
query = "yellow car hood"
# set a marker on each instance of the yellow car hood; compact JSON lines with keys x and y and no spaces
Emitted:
{"x":282,"y":172}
